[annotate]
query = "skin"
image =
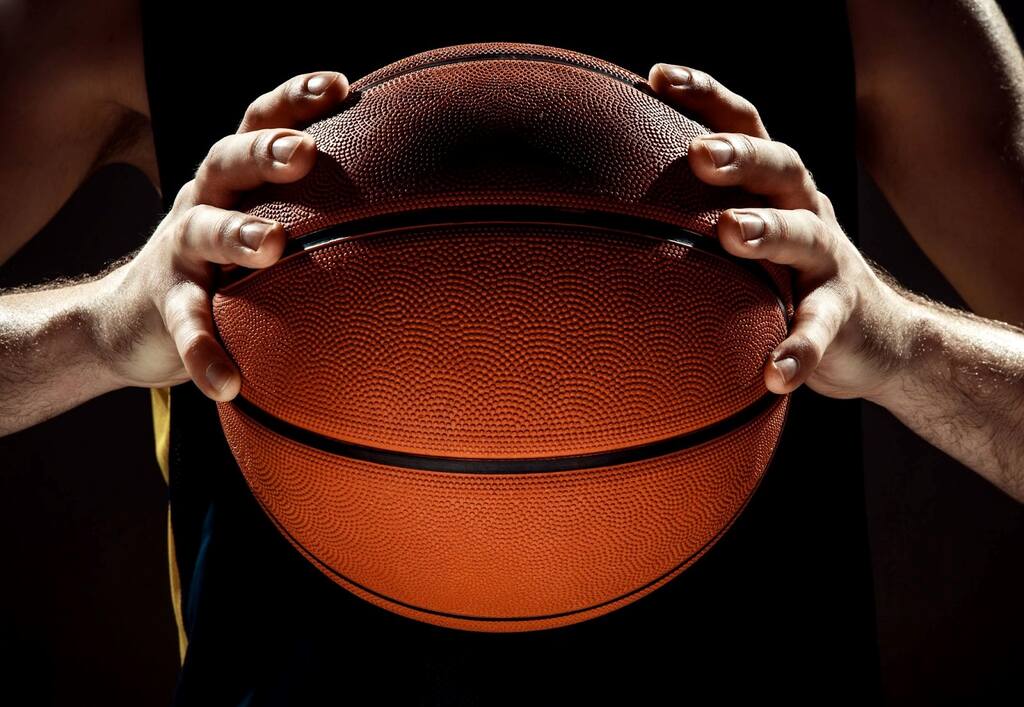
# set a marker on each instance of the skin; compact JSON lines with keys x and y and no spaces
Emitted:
{"x":161,"y":296}
{"x":147,"y":322}
{"x":954,"y":378}
{"x":940,"y":129}
{"x":73,"y":75}
{"x":839,"y":296}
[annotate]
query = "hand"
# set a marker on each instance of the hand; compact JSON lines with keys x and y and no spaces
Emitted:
{"x":158,"y":325}
{"x":846,"y":334}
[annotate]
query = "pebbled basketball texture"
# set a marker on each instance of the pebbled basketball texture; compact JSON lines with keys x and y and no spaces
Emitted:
{"x":504,"y":378}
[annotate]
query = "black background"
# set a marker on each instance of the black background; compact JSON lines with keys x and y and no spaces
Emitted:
{"x":87,"y":614}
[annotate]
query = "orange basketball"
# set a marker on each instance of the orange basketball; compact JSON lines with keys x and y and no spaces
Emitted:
{"x":504,"y":377}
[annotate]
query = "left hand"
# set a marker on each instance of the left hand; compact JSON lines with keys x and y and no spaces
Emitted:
{"x":847,"y":330}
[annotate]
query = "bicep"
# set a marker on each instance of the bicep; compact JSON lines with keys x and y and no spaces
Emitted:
{"x":940,"y":101}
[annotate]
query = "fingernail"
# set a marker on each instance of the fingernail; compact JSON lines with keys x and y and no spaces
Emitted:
{"x":751,"y":225}
{"x":218,"y":375}
{"x":284,"y":147}
{"x":721,"y":151}
{"x":787,"y":367}
{"x":676,"y":75}
{"x":318,"y":84}
{"x":253,"y":234}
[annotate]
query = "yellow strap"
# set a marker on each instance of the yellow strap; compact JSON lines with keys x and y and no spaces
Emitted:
{"x":161,"y":399}
{"x":176,"y":590}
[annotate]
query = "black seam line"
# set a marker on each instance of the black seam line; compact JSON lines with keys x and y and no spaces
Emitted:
{"x":520,"y":465}
{"x":513,"y":215}
{"x":504,"y":619}
{"x":511,"y":56}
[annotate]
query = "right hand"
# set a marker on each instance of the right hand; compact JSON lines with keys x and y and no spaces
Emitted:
{"x":158,"y":324}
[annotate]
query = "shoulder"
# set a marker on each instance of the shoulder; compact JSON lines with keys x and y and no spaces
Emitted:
{"x":86,"y":50}
{"x":74,"y":101}
{"x":76,"y":67}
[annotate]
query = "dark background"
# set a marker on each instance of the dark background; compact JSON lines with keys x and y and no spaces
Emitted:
{"x":87,"y":615}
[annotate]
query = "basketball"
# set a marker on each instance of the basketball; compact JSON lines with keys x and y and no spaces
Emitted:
{"x":504,"y":377}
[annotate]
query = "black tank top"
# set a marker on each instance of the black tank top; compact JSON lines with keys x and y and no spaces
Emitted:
{"x":781,"y":606}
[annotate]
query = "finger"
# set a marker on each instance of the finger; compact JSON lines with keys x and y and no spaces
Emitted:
{"x":825,"y":207}
{"x":798,"y":238}
{"x":242,"y":162}
{"x":301,"y":99}
{"x":208,"y":234}
{"x":766,"y":167}
{"x":189,"y":321}
{"x":816,"y":322}
{"x":702,"y":96}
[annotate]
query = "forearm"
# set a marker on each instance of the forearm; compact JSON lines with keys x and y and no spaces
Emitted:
{"x":50,"y":354}
{"x":959,"y":384}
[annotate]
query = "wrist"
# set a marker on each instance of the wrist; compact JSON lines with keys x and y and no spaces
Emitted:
{"x":87,"y":312}
{"x":49,"y":346}
{"x":113,"y":331}
{"x":907,"y":335}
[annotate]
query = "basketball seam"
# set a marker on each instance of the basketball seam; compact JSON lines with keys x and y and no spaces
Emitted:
{"x":638,"y":83}
{"x":521,"y":465}
{"x":693,"y":557}
{"x":487,"y":215}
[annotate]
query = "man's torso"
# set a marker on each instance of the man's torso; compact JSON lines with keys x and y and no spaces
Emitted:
{"x":782,"y":605}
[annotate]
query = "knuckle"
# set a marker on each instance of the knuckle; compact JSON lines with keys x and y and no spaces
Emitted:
{"x":746,"y":149}
{"x":794,"y":156}
{"x":213,"y":155}
{"x":826,"y":240}
{"x":184,"y":301}
{"x":226,"y":229}
{"x":185,"y":195}
{"x":793,"y":166}
{"x":255,"y":110}
{"x":211,"y":165}
{"x":185,"y":226}
{"x":259,"y":147}
{"x":806,"y":348}
{"x":701,"y":81}
{"x":808,"y":184}
{"x":777,"y":227}
{"x":194,"y":344}
{"x":845,"y":293}
{"x":180,"y":291}
{"x":825,"y":204}
{"x":822,"y":240}
{"x":173,"y":312}
{"x":294,"y":90}
{"x":748,"y":109}
{"x":256,"y":150}
{"x":203,"y":177}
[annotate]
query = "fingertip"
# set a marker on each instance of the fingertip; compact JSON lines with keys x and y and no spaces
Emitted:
{"x":293,"y":155}
{"x":343,"y":86}
{"x":663,"y":77}
{"x":730,"y":235}
{"x":702,"y":162}
{"x":223,"y":381}
{"x":327,"y":82}
{"x":772,"y":380}
{"x":656,"y":77}
{"x":305,"y":157}
{"x":781,"y":373}
{"x":272,"y":248}
{"x":264,"y":243}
